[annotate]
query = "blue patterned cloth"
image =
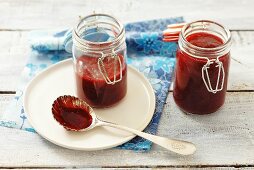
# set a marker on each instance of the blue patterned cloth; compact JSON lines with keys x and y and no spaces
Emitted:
{"x":145,"y":49}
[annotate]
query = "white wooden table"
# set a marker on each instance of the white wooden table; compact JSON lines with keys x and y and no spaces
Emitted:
{"x":225,"y":140}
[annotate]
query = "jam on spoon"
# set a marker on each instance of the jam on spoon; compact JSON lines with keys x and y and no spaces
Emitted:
{"x":75,"y":114}
{"x":71,"y":113}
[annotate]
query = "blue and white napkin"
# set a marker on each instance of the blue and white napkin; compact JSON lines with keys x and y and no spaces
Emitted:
{"x":145,"y":49}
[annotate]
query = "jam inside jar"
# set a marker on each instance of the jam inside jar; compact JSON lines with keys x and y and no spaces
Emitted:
{"x":99,"y":56}
{"x":202,"y":66}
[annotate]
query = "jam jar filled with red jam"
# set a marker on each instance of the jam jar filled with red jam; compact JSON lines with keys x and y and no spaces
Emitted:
{"x":99,"y":57}
{"x":202,"y":67}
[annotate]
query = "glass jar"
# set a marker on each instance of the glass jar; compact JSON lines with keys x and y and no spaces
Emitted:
{"x":99,"y":57}
{"x":202,"y":66}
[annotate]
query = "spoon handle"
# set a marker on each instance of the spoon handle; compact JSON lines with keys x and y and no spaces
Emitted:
{"x":174,"y":145}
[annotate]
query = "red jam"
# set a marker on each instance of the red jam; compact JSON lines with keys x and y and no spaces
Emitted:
{"x":91,"y":86}
{"x":190,"y":92}
{"x":70,"y":116}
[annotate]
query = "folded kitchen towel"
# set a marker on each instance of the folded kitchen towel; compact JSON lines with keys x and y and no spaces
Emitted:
{"x":145,"y":50}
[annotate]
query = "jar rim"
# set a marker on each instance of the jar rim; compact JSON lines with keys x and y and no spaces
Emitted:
{"x":219,"y":48}
{"x":92,"y":43}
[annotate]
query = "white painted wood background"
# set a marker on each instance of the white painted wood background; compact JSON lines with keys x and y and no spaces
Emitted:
{"x":225,"y":139}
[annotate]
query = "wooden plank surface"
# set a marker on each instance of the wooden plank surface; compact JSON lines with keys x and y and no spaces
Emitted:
{"x":225,"y":138}
{"x":15,"y":51}
{"x":134,"y":168}
{"x":34,"y":14}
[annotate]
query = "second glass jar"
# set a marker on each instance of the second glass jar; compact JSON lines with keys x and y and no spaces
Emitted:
{"x":202,"y":67}
{"x":99,"y":57}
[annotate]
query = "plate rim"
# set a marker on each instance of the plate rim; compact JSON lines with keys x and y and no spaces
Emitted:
{"x":124,"y":139}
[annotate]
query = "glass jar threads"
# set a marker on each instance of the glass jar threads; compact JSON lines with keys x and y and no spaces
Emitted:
{"x":99,"y":57}
{"x":202,"y":66}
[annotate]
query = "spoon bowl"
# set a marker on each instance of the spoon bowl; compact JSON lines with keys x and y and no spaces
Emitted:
{"x":76,"y":115}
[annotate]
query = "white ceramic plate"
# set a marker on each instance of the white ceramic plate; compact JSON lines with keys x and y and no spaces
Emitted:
{"x":135,"y":110}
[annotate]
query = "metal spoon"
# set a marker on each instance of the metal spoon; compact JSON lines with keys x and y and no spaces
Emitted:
{"x":174,"y":145}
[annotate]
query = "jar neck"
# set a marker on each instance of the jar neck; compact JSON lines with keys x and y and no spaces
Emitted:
{"x":209,"y":27}
{"x":99,"y":33}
